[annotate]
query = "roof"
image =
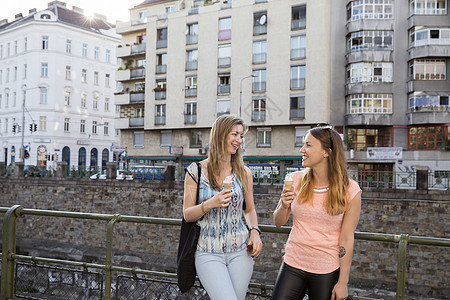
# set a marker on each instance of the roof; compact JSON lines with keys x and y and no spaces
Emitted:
{"x":147,"y":2}
{"x":66,"y":16}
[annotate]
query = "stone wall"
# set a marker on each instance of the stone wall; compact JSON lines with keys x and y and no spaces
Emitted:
{"x":154,"y":247}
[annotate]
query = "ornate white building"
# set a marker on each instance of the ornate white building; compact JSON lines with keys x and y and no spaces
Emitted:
{"x":61,"y":65}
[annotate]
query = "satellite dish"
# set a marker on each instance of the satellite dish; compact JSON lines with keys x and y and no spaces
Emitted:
{"x":263,"y":20}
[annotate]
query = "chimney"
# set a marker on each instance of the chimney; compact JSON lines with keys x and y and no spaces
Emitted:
{"x":59,"y":3}
{"x":3,"y":22}
{"x":77,"y":10}
{"x":100,"y":17}
{"x":32,"y":11}
{"x":18,"y":16}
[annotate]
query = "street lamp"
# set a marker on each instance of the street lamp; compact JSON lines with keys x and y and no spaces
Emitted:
{"x":240,"y":94}
{"x":24,"y":89}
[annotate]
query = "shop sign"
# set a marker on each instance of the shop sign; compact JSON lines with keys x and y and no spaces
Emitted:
{"x":384,"y":152}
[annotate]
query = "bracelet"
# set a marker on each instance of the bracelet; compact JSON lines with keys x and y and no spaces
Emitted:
{"x":203,"y":209}
{"x":257,"y":229}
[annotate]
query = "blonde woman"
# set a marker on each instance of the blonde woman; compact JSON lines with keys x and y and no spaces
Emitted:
{"x":325,"y":205}
{"x":223,"y":264}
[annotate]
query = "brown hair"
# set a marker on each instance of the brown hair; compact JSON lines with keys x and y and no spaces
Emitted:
{"x":217,"y":149}
{"x":336,"y":202}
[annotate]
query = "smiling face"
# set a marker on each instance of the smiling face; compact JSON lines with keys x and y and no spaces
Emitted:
{"x":313,"y":153}
{"x":234,"y":139}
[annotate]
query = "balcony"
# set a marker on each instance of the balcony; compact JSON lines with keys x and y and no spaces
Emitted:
{"x":191,"y":91}
{"x":259,"y":116}
{"x":137,"y":73}
{"x":298,"y":53}
{"x":298,"y":24}
{"x":429,"y":114}
{"x":259,"y":29}
{"x":190,"y":119}
{"x":259,"y":86}
{"x":297,"y":113}
{"x":191,"y":39}
{"x":123,"y":75}
{"x":368,"y":119}
{"x":430,"y":50}
{"x":191,"y":65}
{"x":131,"y":26}
{"x":125,"y":99}
{"x":161,"y":69}
{"x":137,"y":122}
{"x":160,"y":120}
{"x":161,"y":44}
{"x":224,"y":62}
{"x":223,"y":89}
{"x":298,"y":84}
{"x":137,"y":97}
{"x":161,"y":94}
{"x":138,"y":48}
{"x":259,"y":58}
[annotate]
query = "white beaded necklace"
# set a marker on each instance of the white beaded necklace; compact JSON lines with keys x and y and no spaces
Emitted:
{"x":322,"y":190}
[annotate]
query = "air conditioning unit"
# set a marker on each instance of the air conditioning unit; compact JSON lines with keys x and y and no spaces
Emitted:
{"x":202,"y":151}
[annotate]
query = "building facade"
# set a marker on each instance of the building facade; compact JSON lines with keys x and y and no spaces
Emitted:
{"x":390,"y":86}
{"x":57,"y":84}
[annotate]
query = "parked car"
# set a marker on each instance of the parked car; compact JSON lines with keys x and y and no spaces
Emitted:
{"x":122,"y":175}
{"x":100,"y":175}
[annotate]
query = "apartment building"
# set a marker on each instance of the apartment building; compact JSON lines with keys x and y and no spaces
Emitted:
{"x":57,"y":84}
{"x":184,"y":63}
{"x":390,"y":85}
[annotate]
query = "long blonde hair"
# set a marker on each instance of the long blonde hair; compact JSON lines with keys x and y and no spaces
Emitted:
{"x":217,"y":149}
{"x":336,"y":201}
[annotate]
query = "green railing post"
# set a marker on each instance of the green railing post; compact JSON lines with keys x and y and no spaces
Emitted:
{"x":108,"y":264}
{"x":401,"y":267}
{"x":8,"y":250}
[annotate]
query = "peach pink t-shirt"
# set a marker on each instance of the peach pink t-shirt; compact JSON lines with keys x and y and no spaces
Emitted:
{"x":313,"y":244}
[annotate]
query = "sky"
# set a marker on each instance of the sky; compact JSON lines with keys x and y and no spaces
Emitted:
{"x":113,"y":9}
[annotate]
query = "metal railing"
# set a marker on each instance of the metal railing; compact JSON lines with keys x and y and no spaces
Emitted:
{"x":10,"y":268}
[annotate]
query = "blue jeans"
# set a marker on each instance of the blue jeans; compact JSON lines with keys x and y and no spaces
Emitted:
{"x":225,"y":276}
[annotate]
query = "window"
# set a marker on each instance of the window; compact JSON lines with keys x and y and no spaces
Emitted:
{"x":160,"y":89}
{"x":84,"y":76}
{"x":106,"y":104}
{"x":44,"y":69}
{"x":191,"y":86}
{"x":196,"y":139}
{"x":300,"y":134}
{"x":94,"y":127}
{"x":67,"y":99}
{"x":108,"y":56}
{"x":225,"y":55}
{"x":95,"y":78}
{"x":1,"y":76}
{"x":224,"y":84}
{"x":9,"y":50}
{"x":369,"y":9}
{"x":25,"y":68}
{"x":427,"y":7}
{"x":260,"y":23}
{"x":83,"y":126}
{"x":170,"y":8}
{"x":298,"y":77}
{"x":191,"y":60}
{"x":298,"y":17}
{"x":223,"y":107}
{"x":259,"y":52}
{"x":7,"y":75}
{"x":66,"y":124}
{"x":160,"y":114}
{"x":14,"y":99}
{"x":297,"y":110}
{"x":259,"y":109}
{"x":259,"y":81}
{"x":42,"y":123}
{"x":83,"y":101}
{"x":43,"y":96}
{"x":190,"y":113}
{"x":7,"y":99}
{"x":84,"y":50}
{"x":298,"y":47}
{"x":161,"y":41}
{"x":143,"y":16}
{"x":225,"y":29}
{"x":95,"y":102}
{"x":427,"y":69}
{"x":369,"y":103}
{"x":15,"y":47}
{"x":166,"y":138}
{"x":107,"y":80}
{"x":67,"y":72}
{"x":370,"y":72}
{"x":422,"y":101}
{"x":192,"y":34}
{"x":15,"y":73}
{"x":68,"y":46}
{"x":429,"y":36}
{"x":106,"y":128}
{"x":428,"y":137}
{"x":370,"y":40}
{"x":44,"y":42}
{"x":96,"y":52}
{"x":361,"y":138}
{"x":263,"y":137}
{"x":25,"y":46}
{"x":161,"y":63}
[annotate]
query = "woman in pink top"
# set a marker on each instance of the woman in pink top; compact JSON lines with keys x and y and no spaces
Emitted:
{"x":325,"y":205}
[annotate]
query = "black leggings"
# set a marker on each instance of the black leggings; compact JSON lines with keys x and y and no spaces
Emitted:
{"x":292,"y":284}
